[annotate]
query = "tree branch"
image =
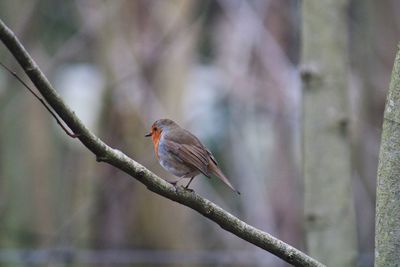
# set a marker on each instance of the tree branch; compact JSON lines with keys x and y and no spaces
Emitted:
{"x":119,"y":160}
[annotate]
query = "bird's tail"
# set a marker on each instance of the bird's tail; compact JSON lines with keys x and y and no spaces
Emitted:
{"x":217,"y":172}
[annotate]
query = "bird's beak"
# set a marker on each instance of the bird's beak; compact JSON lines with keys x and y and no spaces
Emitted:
{"x":147,"y":135}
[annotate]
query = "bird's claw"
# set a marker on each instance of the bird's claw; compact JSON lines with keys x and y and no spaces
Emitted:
{"x":188,"y":189}
{"x":173,"y":183}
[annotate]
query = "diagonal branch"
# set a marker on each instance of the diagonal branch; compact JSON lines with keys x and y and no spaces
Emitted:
{"x":119,"y":160}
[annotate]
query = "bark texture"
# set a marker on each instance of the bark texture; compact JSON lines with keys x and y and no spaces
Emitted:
{"x":329,"y":210}
{"x":387,"y":236}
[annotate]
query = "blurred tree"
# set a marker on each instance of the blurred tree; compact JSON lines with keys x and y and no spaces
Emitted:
{"x":365,"y":115}
{"x":329,"y":211}
{"x":142,"y":86}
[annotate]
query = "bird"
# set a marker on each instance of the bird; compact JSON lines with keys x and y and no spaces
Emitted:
{"x":181,"y":153}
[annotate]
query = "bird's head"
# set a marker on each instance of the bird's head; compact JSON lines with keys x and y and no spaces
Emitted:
{"x":161,"y":125}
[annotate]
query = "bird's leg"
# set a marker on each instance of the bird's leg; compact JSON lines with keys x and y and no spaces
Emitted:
{"x":174,"y":182}
{"x":187,"y":186}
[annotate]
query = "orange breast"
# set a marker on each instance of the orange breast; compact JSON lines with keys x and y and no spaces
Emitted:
{"x":156,"y":140}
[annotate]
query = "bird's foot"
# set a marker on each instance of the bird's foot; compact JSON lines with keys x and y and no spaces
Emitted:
{"x":174,"y":183}
{"x":188,"y":189}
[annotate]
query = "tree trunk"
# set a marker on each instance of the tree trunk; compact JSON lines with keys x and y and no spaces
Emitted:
{"x":387,"y":236}
{"x":329,"y":211}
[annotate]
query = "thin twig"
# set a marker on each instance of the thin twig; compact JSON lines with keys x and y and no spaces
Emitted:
{"x":13,"y":73}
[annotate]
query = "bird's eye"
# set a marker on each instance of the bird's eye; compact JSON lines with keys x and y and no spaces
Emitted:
{"x":155,"y":129}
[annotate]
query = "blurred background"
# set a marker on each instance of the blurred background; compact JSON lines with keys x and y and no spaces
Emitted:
{"x":228,"y":70}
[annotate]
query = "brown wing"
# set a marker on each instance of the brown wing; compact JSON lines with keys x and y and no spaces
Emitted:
{"x":188,"y":149}
{"x":212,"y":157}
{"x":189,"y":154}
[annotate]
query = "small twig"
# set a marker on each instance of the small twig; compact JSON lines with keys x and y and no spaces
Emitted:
{"x":71,"y":134}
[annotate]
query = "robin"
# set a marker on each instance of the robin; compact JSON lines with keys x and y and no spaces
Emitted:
{"x":182,"y":154}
